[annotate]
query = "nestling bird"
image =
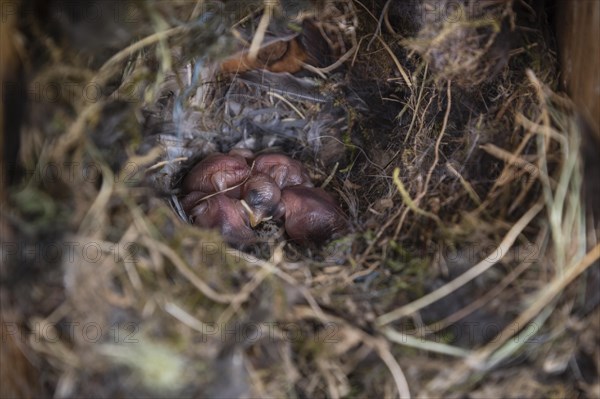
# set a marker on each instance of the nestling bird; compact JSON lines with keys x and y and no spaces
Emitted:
{"x":190,"y":200}
{"x":242,"y":152}
{"x":276,"y":186}
{"x":311,"y":214}
{"x":220,"y":212}
{"x":284,"y":170}
{"x":216,"y":173}
{"x":260,"y":197}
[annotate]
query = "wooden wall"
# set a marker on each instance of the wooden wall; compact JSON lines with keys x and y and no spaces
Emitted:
{"x":578,"y":34}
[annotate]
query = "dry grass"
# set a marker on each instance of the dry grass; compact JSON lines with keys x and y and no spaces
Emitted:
{"x":453,"y":154}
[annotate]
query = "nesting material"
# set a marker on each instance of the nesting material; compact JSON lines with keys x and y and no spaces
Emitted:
{"x":468,"y":271}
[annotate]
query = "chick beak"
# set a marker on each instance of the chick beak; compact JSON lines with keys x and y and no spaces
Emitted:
{"x":255,"y":220}
{"x":255,"y":217}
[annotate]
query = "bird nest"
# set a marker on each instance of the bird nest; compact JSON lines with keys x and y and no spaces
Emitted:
{"x":437,"y":128}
